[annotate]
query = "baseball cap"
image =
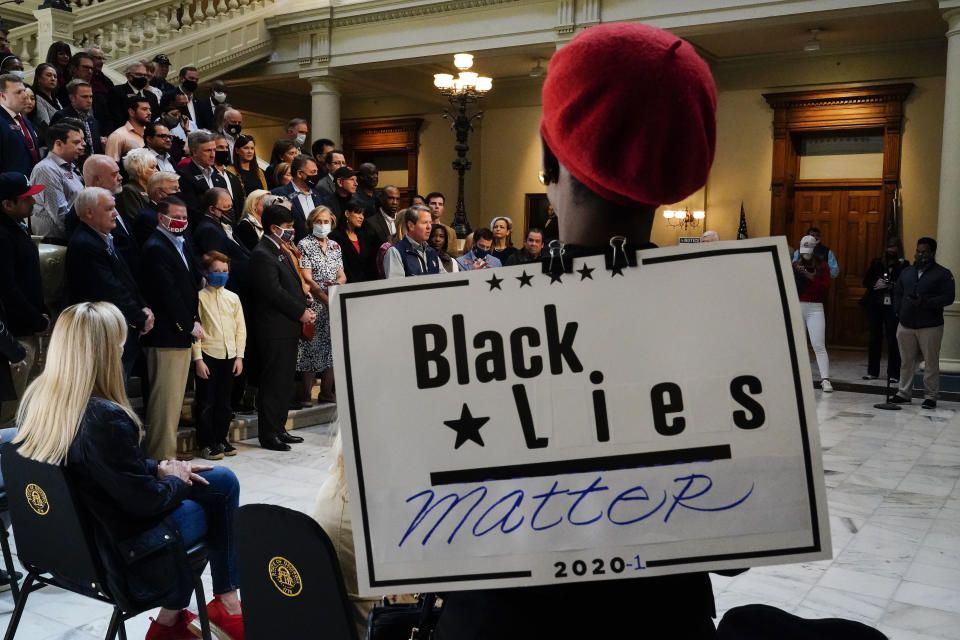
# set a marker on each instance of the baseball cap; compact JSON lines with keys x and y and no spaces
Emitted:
{"x":15,"y":185}
{"x":344,"y":172}
{"x":807,"y":243}
{"x":161,"y":59}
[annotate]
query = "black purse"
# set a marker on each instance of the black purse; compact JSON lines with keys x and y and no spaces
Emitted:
{"x":406,"y":621}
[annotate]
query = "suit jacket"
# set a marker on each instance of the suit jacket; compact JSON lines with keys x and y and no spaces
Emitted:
{"x":21,"y":288}
{"x":117,"y":104}
{"x":276,"y":292}
{"x":92,"y":122}
{"x":204,"y":119}
{"x":192,"y":187}
{"x":239,"y":195}
{"x":290,"y":192}
{"x":171,"y":289}
{"x":358,"y":266}
{"x":376,"y":227}
{"x":209,"y":235}
{"x":14,"y":154}
{"x":93,"y":275}
{"x":145,"y":223}
{"x":127,"y":246}
{"x":327,"y":187}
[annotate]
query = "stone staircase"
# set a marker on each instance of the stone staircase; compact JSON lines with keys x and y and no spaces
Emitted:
{"x":216,"y":36}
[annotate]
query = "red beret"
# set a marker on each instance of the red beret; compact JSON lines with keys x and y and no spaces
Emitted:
{"x":630,"y":111}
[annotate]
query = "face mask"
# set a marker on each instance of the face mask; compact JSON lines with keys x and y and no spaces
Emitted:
{"x":169,"y":224}
{"x":300,"y":140}
{"x":312,"y":180}
{"x":138,"y":83}
{"x":170,"y":122}
{"x":285,"y":235}
{"x":480,"y":253}
{"x":189,"y":85}
{"x":217,"y":278}
{"x":321,"y":230}
{"x":921,"y":262}
{"x":17,"y":73}
{"x":222,"y":157}
{"x":219,"y":96}
{"x":234,"y":129}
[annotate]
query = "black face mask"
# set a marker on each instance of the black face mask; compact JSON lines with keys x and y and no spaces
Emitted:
{"x":234,"y":129}
{"x":223,"y":157}
{"x":312,"y":180}
{"x":170,"y":122}
{"x":189,"y":85}
{"x":138,"y":83}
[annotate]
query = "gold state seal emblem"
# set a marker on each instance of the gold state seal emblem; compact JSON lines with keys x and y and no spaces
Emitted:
{"x":37,"y":499}
{"x":284,"y":576}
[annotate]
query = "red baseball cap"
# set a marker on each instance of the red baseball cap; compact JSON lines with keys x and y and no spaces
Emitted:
{"x":15,"y":185}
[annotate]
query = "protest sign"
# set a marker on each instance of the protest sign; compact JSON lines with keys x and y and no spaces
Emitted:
{"x":507,"y":427}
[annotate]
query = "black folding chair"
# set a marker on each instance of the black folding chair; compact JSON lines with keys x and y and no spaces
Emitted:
{"x":5,"y":547}
{"x":761,"y":621}
{"x":292,"y":584}
{"x":45,"y":513}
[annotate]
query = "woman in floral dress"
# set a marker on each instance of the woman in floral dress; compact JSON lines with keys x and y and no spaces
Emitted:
{"x":321,"y":265}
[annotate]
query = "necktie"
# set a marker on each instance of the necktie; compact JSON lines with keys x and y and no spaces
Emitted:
{"x":110,"y":249}
{"x":88,"y":135}
{"x":26,"y":134}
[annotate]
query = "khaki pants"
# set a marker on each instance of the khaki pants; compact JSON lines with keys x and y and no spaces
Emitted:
{"x":916,"y":345}
{"x":8,"y":412}
{"x":167,"y":370}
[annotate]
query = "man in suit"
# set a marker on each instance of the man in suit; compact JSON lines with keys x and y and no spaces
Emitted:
{"x":332,"y":160}
{"x":199,"y":108}
{"x":136,"y":85}
{"x":80,"y":98}
{"x":301,"y":194}
{"x":223,"y":157}
{"x":159,"y":80}
{"x":81,"y":67}
{"x":381,"y":226}
{"x":159,"y":186}
{"x":22,"y":290}
{"x":345,"y":181}
{"x":280,"y":307}
{"x":170,"y":280}
{"x":19,"y":144}
{"x":215,"y":233}
{"x":96,"y":271}
{"x":199,"y":176}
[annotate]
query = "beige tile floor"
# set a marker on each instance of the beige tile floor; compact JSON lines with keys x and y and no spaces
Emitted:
{"x":894,"y":505}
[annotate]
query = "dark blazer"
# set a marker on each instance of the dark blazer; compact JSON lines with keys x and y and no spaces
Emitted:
{"x":192,"y":187}
{"x":93,"y":275}
{"x":209,"y":235}
{"x":936,"y":289}
{"x":276,"y":292}
{"x":127,"y":246}
{"x":92,"y":122}
{"x":117,"y":103}
{"x":239,"y":195}
{"x":246,"y":234}
{"x":145,"y":224}
{"x":290,"y":192}
{"x":171,"y":288}
{"x":10,"y":351}
{"x":376,"y":227}
{"x":21,"y":288}
{"x":327,"y":187}
{"x":14,"y":154}
{"x":204,"y":118}
{"x":130,"y":506}
{"x":357,"y":266}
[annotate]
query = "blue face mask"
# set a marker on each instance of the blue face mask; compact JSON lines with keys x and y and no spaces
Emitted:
{"x":217,"y":278}
{"x":479,"y":253}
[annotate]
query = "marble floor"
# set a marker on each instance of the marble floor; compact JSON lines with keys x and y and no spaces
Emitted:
{"x":894,"y":503}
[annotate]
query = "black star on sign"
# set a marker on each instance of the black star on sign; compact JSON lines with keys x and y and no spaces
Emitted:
{"x":494,"y":283}
{"x":525,"y":280}
{"x":467,"y":427}
{"x":555,"y":277}
{"x":616,"y":270}
{"x":585,"y":273}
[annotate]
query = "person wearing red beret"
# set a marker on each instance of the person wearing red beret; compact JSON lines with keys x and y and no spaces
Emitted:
{"x":619,"y":100}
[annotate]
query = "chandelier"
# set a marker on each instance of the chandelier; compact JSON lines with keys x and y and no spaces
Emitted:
{"x":683,"y":219}
{"x":467,"y":83}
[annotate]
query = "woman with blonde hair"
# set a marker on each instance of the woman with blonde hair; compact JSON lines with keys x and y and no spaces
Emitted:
{"x":139,"y":164}
{"x":249,"y":228}
{"x":76,"y":414}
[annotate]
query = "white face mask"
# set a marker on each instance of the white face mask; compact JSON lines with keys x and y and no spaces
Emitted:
{"x":321,"y":230}
{"x":17,"y":73}
{"x":300,"y":140}
{"x":219,"y":96}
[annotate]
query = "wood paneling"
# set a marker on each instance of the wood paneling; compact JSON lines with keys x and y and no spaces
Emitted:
{"x":362,"y":139}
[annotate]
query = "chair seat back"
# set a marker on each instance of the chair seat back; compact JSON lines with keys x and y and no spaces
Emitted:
{"x":290,"y":576}
{"x":52,"y":536}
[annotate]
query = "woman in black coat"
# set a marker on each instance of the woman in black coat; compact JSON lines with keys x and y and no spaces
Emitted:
{"x":358,"y":248}
{"x":76,"y":414}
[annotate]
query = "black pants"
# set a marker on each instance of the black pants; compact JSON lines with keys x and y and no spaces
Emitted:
{"x":278,"y":362}
{"x":213,"y":402}
{"x":881,"y":320}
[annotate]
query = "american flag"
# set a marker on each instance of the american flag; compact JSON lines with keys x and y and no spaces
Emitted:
{"x":742,"y":229}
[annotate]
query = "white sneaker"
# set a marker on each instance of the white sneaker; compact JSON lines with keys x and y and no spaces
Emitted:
{"x":825,"y":386}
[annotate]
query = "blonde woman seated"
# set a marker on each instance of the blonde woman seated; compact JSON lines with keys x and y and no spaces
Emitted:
{"x":76,"y":414}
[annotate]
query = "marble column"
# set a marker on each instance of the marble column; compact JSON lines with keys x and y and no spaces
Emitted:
{"x":324,"y":108}
{"x":948,"y":216}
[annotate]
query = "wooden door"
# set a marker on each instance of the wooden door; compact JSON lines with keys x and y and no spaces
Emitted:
{"x":851,"y":224}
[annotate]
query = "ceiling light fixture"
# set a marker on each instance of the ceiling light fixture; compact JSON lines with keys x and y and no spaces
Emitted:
{"x":813,"y":44}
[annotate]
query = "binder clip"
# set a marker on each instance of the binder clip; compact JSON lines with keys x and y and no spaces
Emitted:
{"x":556,"y":262}
{"x":619,"y":256}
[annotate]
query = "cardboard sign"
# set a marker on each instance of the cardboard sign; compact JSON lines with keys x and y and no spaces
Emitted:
{"x":506,"y":427}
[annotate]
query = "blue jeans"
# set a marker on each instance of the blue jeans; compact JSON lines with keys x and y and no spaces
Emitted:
{"x":207,"y":514}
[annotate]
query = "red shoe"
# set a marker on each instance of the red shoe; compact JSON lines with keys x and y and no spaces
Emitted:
{"x":222,"y":625}
{"x":179,"y":631}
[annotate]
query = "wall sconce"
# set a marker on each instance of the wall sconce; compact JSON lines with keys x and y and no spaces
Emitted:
{"x":683,"y":219}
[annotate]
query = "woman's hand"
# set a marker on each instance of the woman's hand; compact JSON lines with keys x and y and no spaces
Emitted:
{"x":183,"y":470}
{"x":194,"y":469}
